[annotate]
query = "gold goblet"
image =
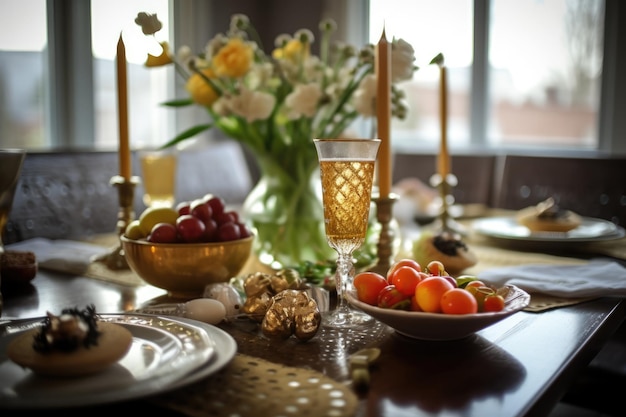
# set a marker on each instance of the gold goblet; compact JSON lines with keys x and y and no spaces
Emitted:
{"x":347,"y":172}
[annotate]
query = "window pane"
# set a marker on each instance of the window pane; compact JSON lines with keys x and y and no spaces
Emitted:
{"x":431,"y":27}
{"x":546,"y":61}
{"x":22,"y":84}
{"x":147,"y":87}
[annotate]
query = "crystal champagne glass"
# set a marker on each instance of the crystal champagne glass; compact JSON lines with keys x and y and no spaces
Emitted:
{"x":347,"y":172}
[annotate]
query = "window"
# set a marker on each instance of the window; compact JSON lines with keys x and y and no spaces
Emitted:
{"x":58,"y":90}
{"x":64,"y":95}
{"x":535,"y":85}
{"x":21,"y":70}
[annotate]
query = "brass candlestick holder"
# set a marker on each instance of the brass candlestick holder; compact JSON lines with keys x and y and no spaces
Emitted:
{"x":445,"y":222}
{"x":384,"y":215}
{"x":114,"y":258}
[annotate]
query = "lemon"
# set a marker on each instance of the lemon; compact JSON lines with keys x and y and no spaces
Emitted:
{"x":133,"y":231}
{"x":154,"y":215}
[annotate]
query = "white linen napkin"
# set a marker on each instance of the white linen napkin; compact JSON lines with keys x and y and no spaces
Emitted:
{"x":597,"y":278}
{"x":66,"y":256}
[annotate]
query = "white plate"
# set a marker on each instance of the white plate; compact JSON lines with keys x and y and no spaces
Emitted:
{"x":166,"y":353}
{"x":508,"y":228}
{"x":440,"y":326}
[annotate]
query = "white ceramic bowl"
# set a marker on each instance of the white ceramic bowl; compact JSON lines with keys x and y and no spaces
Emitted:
{"x":439,"y":326}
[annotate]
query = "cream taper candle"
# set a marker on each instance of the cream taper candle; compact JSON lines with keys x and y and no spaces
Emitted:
{"x":122,"y":111}
{"x":383,"y":114}
{"x":443,"y":160}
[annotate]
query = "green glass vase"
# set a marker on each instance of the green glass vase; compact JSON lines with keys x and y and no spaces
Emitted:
{"x":285,"y":209}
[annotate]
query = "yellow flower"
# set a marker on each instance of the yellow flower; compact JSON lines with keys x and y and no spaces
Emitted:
{"x":163,"y":59}
{"x":200,"y":90}
{"x":233,"y":59}
{"x":294,"y":50}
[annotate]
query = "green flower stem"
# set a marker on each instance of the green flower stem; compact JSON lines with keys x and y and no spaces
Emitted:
{"x":286,"y":210}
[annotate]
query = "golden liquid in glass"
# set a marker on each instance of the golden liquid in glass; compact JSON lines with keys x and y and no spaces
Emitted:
{"x":347,"y":190}
{"x":159,"y":179}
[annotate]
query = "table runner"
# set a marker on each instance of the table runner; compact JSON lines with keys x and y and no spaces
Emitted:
{"x":250,"y":386}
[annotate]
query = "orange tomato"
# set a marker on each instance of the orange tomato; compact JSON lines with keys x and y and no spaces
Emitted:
{"x":414,"y":306}
{"x":405,"y":278}
{"x":436,"y":268}
{"x":475,"y":283}
{"x":368,"y":285}
{"x":403,"y":262}
{"x":493,"y":302}
{"x":458,"y":301}
{"x":429,"y":291}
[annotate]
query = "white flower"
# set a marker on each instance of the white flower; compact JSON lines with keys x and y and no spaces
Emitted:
{"x":365,"y":96}
{"x":302,"y":101}
{"x":402,"y":58}
{"x":260,"y":75}
{"x":149,"y":23}
{"x":251,"y":105}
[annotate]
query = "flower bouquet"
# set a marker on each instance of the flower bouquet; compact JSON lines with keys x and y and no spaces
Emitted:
{"x":276,"y":104}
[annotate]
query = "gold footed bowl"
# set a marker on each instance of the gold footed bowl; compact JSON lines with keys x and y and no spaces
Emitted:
{"x":185,"y":269}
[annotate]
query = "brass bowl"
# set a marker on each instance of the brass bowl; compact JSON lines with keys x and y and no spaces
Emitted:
{"x":185,"y":269}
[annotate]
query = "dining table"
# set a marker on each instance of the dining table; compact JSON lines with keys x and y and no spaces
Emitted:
{"x":519,"y":366}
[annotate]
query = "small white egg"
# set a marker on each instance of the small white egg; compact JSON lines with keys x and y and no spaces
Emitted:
{"x":206,"y":310}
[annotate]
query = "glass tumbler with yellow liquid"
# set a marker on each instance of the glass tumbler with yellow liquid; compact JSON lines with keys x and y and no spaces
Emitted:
{"x":347,"y":173}
{"x":158,"y":170}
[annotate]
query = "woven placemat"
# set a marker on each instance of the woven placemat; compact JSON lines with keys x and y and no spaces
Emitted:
{"x":99,"y":270}
{"x":250,"y":386}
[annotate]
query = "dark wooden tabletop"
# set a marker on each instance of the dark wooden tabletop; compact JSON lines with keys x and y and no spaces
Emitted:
{"x":520,"y":366}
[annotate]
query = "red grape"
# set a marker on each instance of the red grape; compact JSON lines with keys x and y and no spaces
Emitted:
{"x":183,"y":208}
{"x":225,"y":217}
{"x":217,"y":204}
{"x":190,"y":228}
{"x":163,"y":233}
{"x":201,"y":210}
{"x":210,"y":233}
{"x":229,"y":231}
{"x":243,"y":230}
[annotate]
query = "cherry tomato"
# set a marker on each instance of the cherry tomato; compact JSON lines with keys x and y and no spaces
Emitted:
{"x":475,"y":283}
{"x":368,"y":285}
{"x":414,"y":305}
{"x":429,"y":292}
{"x":458,"y":301}
{"x":390,"y":297}
{"x":479,"y":293}
{"x":405,"y":278}
{"x":493,"y":302}
{"x":403,"y":262}
{"x":435,"y":268}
